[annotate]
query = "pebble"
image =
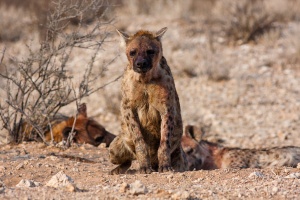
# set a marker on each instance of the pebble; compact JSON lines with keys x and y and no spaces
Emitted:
{"x":102,"y":146}
{"x":275,"y":190}
{"x":27,"y":183}
{"x":19,"y":166}
{"x":293,"y":175}
{"x":256,"y":175}
{"x":2,"y":168}
{"x":181,"y":195}
{"x":61,"y":180}
{"x":137,"y":188}
{"x":123,"y":187}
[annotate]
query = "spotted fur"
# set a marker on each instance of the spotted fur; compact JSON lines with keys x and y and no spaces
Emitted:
{"x":202,"y":154}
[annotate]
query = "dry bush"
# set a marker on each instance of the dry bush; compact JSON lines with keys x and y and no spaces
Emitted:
{"x":84,"y":12}
{"x":243,"y":20}
{"x":168,"y":8}
{"x":40,"y":85}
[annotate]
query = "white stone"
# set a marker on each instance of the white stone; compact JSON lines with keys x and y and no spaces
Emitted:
{"x":60,"y":180}
{"x":27,"y":183}
{"x":256,"y":175}
{"x":137,"y":188}
{"x":293,"y":175}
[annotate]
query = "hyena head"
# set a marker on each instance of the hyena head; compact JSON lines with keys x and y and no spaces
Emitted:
{"x":86,"y":129}
{"x":195,"y":152}
{"x":143,"y":50}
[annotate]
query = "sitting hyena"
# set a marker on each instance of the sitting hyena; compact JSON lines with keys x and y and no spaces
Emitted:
{"x":202,"y":154}
{"x":150,"y":109}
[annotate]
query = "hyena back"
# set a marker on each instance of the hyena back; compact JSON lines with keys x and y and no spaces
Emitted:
{"x":202,"y":154}
{"x":151,"y":117}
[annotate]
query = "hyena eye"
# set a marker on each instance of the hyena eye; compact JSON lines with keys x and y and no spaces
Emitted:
{"x":190,"y":151}
{"x":132,"y":53}
{"x":150,"y":52}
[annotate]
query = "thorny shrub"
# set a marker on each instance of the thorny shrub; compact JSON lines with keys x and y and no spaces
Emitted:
{"x":39,"y":85}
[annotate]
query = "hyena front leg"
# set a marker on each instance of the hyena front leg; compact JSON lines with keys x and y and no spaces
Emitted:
{"x":164,"y":150}
{"x":141,"y":152}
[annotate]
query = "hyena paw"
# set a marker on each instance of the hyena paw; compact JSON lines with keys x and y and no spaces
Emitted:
{"x":165,"y":168}
{"x":121,"y":169}
{"x":146,"y":170}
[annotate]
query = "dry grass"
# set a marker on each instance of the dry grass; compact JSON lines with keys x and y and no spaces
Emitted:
{"x":13,"y":27}
{"x":243,"y":20}
{"x":32,"y":14}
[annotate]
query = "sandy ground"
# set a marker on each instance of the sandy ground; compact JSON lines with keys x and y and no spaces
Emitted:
{"x":33,"y":161}
{"x":258,"y":105}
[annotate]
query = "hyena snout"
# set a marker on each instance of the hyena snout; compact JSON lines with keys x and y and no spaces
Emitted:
{"x":142,"y":65}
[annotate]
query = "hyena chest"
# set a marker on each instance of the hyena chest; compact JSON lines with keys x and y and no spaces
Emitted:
{"x":149,"y":117}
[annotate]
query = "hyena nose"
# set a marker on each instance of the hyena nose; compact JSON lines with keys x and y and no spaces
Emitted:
{"x":142,"y":63}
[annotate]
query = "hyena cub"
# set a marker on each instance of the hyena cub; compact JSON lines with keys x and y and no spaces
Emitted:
{"x":150,"y":111}
{"x":202,"y":154}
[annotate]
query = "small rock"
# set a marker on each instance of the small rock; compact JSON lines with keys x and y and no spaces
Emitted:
{"x":123,"y":187}
{"x":181,"y":195}
{"x":27,"y":183}
{"x":2,"y":168}
{"x":75,"y":169}
{"x":275,"y":190}
{"x":70,"y":188}
{"x":298,"y":165}
{"x":53,"y":158}
{"x":293,"y":175}
{"x":102,"y":146}
{"x":87,"y":146}
{"x":137,"y":188}
{"x":170,"y":176}
{"x":256,"y":175}
{"x":19,"y":166}
{"x":61,"y":180}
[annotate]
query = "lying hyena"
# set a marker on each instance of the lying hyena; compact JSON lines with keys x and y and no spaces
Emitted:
{"x":151,"y":120}
{"x":86,"y":129}
{"x":202,"y":154}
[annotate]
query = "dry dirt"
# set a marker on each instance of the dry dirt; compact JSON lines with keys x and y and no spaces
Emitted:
{"x":256,"y":105}
{"x":88,"y":166}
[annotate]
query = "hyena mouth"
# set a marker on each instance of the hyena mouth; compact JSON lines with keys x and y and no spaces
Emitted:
{"x":142,"y":66}
{"x":142,"y":70}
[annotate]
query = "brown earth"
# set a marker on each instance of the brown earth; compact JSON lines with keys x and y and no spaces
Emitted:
{"x":250,"y":94}
{"x":88,"y":166}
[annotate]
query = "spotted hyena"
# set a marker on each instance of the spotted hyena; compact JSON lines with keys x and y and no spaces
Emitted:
{"x":86,"y":129}
{"x":202,"y":154}
{"x":150,"y":111}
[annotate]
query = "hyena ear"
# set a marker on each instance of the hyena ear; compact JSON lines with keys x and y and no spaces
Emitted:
{"x":82,"y":110}
{"x":123,"y":35}
{"x":160,"y":33}
{"x":194,"y":132}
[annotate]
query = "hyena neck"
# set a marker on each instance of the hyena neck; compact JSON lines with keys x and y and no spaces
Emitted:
{"x":214,"y":158}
